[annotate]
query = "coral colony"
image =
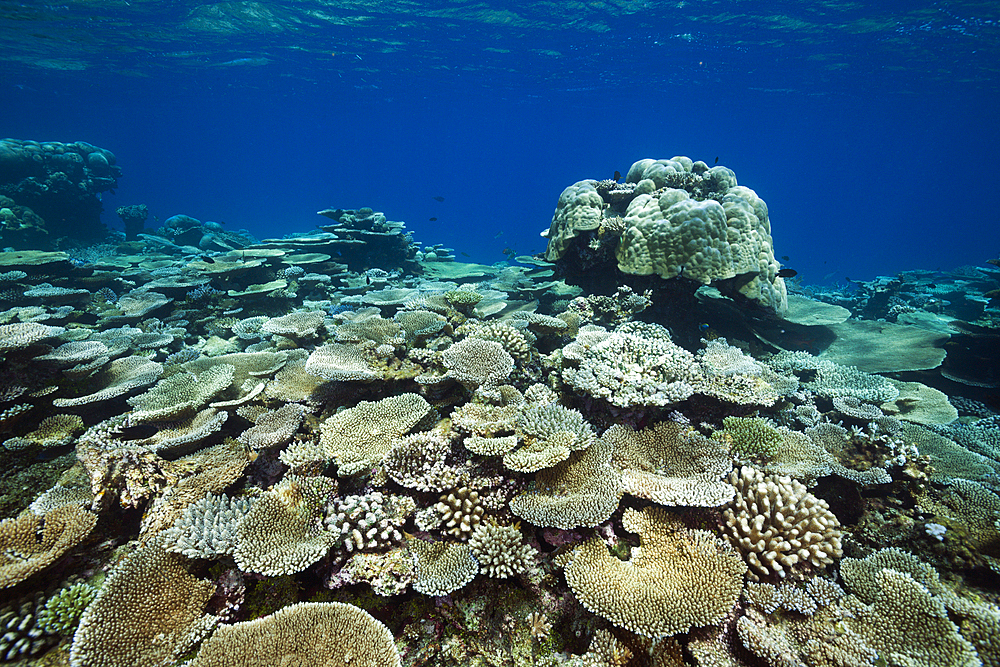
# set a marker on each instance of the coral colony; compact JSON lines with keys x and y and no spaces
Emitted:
{"x":342,"y":447}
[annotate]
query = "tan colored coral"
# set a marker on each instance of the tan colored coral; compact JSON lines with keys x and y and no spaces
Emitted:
{"x":21,"y":335}
{"x":368,"y":325}
{"x":274,"y":427}
{"x":148,"y":613}
{"x":460,"y":512}
{"x":360,"y":437}
{"x":341,"y":362}
{"x":488,"y":421}
{"x":908,"y":625}
{"x":860,"y":574}
{"x":778,"y":525}
{"x":118,"y":378}
{"x":419,"y":462}
{"x":332,"y":634}
{"x":478,"y":363}
{"x":282,"y":533}
{"x":180,"y":395}
{"x":501,"y":550}
{"x":678,"y":579}
{"x":209,"y":470}
{"x":299,"y":324}
{"x":582,"y":491}
{"x":30,"y":543}
{"x":787,"y":639}
{"x":293,"y":383}
{"x":513,"y":340}
{"x":53,"y":431}
{"x":548,"y":432}
{"x":441,"y":567}
{"x":670,"y":464}
{"x":967,"y":507}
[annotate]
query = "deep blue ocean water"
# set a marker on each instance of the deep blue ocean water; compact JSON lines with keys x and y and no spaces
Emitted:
{"x":870,"y":130}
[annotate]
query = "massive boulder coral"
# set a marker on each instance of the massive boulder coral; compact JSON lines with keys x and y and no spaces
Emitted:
{"x":60,"y":182}
{"x":674,"y":218}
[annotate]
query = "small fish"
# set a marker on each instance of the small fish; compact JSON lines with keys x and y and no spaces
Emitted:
{"x":499,"y":234}
{"x":138,"y":432}
{"x":703,"y":327}
{"x":208,"y":260}
{"x":618,"y":176}
{"x":438,"y":198}
{"x":465,"y":254}
{"x":433,"y":219}
{"x":716,"y":160}
{"x":787,"y":273}
{"x":784,"y":258}
{"x":368,"y":280}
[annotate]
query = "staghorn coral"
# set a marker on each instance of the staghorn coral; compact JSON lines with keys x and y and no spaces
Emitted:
{"x":817,"y":592}
{"x":23,"y":636}
{"x":735,"y":377}
{"x":21,"y":335}
{"x":333,"y":634}
{"x":501,"y":550}
{"x":419,"y":461}
{"x":513,"y":340}
{"x":389,"y":573}
{"x":293,"y":383}
{"x":420,"y":324}
{"x":478,"y":364}
{"x":370,"y":521}
{"x":62,"y":612}
{"x":53,"y":431}
{"x":148,"y":612}
{"x":677,"y":579}
{"x":908,"y":625}
{"x":206,"y":471}
{"x":752,"y":438}
{"x":637,"y":365}
{"x":778,"y":525}
{"x":490,"y":420}
{"x":829,"y":379}
{"x":298,"y":325}
{"x":670,"y":464}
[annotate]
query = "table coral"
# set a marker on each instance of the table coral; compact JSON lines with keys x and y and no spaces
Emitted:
{"x":676,"y":580}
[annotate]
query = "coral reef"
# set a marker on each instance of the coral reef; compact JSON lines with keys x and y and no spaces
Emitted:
{"x":345,"y":443}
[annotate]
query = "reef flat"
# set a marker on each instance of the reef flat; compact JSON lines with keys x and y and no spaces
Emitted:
{"x":650,"y":446}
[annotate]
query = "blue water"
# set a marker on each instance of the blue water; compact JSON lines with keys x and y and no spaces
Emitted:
{"x":869,"y":131}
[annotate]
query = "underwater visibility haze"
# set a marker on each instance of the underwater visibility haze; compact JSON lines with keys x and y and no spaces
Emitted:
{"x":468,"y":333}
